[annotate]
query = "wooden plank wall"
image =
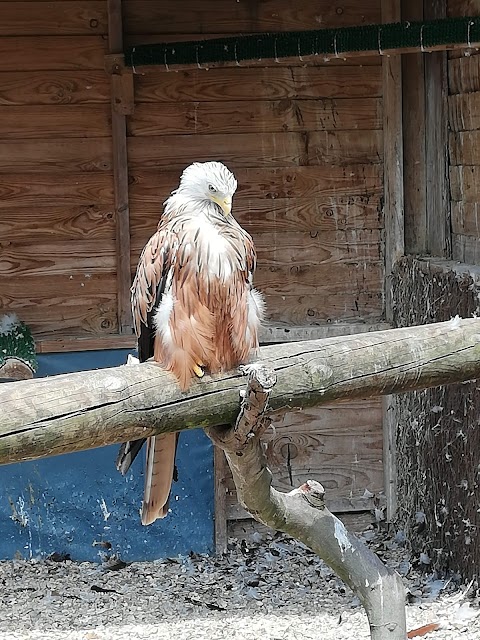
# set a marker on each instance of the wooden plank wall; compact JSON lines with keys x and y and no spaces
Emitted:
{"x":304,"y":142}
{"x":464,"y":143}
{"x":57,"y":228}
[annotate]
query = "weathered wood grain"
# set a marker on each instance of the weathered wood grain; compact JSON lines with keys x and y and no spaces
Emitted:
{"x":31,"y":53}
{"x":456,"y":8}
{"x":258,"y":149}
{"x":53,"y":88}
{"x":65,"y":121}
{"x":67,"y":155}
{"x":41,"y":417}
{"x":355,"y":306}
{"x":466,"y":248}
{"x":413,"y":118}
{"x":148,"y":186}
{"x":187,"y":16}
{"x":52,"y":258}
{"x":76,"y":17}
{"x":466,"y":218}
{"x":464,"y":181}
{"x":80,"y":319}
{"x":264,"y":84}
{"x":45,"y":290}
{"x":464,"y":112}
{"x":291,"y":248}
{"x":43,"y":189}
{"x":57,"y":224}
{"x":464,"y":148}
{"x":464,"y":74}
{"x":122,"y":93}
{"x":301,"y":214}
{"x":256,"y":116}
{"x":338,"y":445}
{"x":436,"y":144}
{"x":320,"y":279}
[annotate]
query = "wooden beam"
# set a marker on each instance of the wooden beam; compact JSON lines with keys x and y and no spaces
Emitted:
{"x":78,"y":411}
{"x":393,"y":211}
{"x":438,"y":233}
{"x":122,"y":94}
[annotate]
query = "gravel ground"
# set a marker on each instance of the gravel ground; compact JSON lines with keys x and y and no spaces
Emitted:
{"x":268,"y":588}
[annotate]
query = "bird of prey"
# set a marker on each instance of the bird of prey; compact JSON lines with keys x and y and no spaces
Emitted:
{"x":193,"y":302}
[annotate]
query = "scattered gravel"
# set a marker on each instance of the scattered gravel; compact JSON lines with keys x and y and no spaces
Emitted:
{"x":268,"y":588}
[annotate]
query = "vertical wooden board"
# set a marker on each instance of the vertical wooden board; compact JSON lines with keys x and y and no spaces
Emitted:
{"x":436,"y":144}
{"x":393,"y":155}
{"x":414,"y":163}
{"x":120,"y":174}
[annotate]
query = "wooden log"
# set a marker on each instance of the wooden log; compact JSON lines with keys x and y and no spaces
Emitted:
{"x":89,"y":409}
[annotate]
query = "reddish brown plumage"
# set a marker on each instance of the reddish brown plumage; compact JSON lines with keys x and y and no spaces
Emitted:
{"x":193,"y":295}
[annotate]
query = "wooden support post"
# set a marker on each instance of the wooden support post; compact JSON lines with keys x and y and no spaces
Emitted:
{"x":394,"y":219}
{"x":220,"y":469}
{"x":436,"y":144}
{"x":122,"y":104}
{"x":393,"y":156}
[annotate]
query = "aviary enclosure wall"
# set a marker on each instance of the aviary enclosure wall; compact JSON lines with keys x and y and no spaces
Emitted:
{"x":305,"y":142}
{"x":437,"y":440}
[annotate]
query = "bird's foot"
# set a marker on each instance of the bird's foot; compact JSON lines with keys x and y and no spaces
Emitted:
{"x":198,"y":370}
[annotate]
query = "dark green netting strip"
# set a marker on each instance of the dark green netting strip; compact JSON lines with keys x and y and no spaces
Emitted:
{"x":375,"y":37}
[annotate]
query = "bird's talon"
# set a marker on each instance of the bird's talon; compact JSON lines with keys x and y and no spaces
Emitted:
{"x":198,"y":371}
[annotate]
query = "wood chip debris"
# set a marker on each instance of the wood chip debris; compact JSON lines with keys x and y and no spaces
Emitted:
{"x":268,"y":587}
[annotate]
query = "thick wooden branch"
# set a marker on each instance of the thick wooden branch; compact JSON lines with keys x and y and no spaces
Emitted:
{"x":303,"y":515}
{"x":83,"y":410}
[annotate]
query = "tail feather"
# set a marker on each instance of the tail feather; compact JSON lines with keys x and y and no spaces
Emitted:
{"x":159,"y":472}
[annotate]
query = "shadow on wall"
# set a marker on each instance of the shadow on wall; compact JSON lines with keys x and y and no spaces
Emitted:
{"x":79,"y":505}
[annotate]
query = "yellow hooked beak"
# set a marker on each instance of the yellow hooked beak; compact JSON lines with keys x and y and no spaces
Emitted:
{"x":225,"y":204}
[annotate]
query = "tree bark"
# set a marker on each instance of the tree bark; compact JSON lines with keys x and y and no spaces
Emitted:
{"x":303,"y":515}
{"x":84,"y":410}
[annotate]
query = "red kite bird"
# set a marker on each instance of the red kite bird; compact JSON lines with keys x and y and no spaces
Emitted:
{"x":194,"y":306}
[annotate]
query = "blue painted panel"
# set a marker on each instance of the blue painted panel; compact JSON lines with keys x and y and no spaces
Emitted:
{"x":79,"y":504}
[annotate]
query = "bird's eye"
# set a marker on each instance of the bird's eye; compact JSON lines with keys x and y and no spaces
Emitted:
{"x":211,"y":188}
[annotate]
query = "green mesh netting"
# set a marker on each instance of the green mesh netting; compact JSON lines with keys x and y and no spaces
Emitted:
{"x":374,"y":37}
{"x":16,"y":341}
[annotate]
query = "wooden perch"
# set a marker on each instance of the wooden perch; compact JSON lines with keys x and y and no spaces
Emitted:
{"x":89,"y":409}
{"x":303,"y":515}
